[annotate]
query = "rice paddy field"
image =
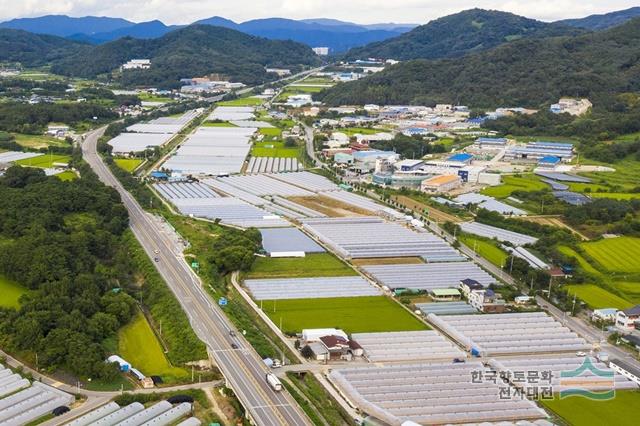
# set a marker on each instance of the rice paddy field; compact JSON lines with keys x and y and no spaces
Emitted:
{"x":274,"y":149}
{"x":313,"y":265}
{"x":10,"y":292}
{"x":486,"y":248}
{"x":597,"y":297}
{"x":351,"y":314}
{"x":511,"y":184}
{"x":138,"y":344}
{"x":250,"y":101}
{"x":623,"y":410}
{"x":128,"y":164}
{"x":44,"y":161}
{"x":618,"y":255}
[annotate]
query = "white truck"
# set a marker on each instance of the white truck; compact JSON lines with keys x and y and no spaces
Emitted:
{"x":274,"y":382}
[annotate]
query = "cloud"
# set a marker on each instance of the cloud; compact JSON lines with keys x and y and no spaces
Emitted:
{"x":362,"y":11}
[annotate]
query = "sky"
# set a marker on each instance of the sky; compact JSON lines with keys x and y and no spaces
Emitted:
{"x":360,"y":11}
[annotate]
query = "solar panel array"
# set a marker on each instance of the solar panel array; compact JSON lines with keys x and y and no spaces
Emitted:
{"x":371,"y":237}
{"x":556,"y":365}
{"x":273,"y":165}
{"x":280,"y":240}
{"x":307,"y":180}
{"x":526,"y":333}
{"x":265,"y":185}
{"x":406,"y":346}
{"x":229,"y":113}
{"x":428,"y":276}
{"x":213,"y":151}
{"x":22,"y":403}
{"x":11,"y":156}
{"x":177,"y":191}
{"x":434,"y":394}
{"x":125,"y":143}
{"x":500,"y":234}
{"x":310,"y":288}
{"x":446,"y":308}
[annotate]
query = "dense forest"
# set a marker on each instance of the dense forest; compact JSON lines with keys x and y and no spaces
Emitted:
{"x":34,"y":50}
{"x":62,"y":240}
{"x":527,"y":73}
{"x":196,"y":50}
{"x":456,"y":35}
{"x":27,"y":118}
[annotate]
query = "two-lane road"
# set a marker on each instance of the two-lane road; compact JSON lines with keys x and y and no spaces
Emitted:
{"x":242,"y":368}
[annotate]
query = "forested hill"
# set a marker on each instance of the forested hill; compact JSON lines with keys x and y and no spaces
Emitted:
{"x":459,"y":34}
{"x":193,"y":51}
{"x":604,"y":21}
{"x":527,"y":73}
{"x":34,"y":49}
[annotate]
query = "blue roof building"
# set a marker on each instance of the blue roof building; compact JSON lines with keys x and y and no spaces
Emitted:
{"x":461,"y":158}
{"x":549,"y":161}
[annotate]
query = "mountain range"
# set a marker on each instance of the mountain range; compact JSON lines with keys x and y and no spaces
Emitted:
{"x":339,"y":36}
{"x":529,"y":72}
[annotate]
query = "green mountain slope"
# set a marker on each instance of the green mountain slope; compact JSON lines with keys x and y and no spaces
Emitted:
{"x":459,"y":34}
{"x":193,"y":51}
{"x":604,"y":21}
{"x":522,"y":73}
{"x":33,"y":49}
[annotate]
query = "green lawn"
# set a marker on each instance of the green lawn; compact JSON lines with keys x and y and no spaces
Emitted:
{"x":218,"y":124}
{"x":597,"y":297}
{"x":67,"y":176}
{"x":527,"y":182}
{"x":623,"y":410}
{"x":128,"y":164}
{"x":615,"y":254}
{"x":250,"y":101}
{"x":39,"y":141}
{"x":486,"y":248}
{"x":44,"y":161}
{"x":271,"y":131}
{"x":10,"y":292}
{"x":313,"y":265}
{"x":351,"y":314}
{"x":274,"y":149}
{"x":138,"y":344}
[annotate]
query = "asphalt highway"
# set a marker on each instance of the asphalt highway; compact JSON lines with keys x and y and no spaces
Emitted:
{"x":242,"y":368}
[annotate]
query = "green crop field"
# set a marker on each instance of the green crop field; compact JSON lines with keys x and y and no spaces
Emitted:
{"x":597,"y":297}
{"x":128,"y":164}
{"x":271,"y":131}
{"x":623,"y":410}
{"x":218,"y":124}
{"x":10,"y":292}
{"x":251,"y":101}
{"x":626,"y":175}
{"x":630,"y":289}
{"x":582,"y":262}
{"x":304,"y":89}
{"x":313,"y":265}
{"x":138,"y":344}
{"x":528,"y":182}
{"x":351,"y":131}
{"x":44,"y":161}
{"x":615,"y":254}
{"x":274,"y":149}
{"x":615,"y":195}
{"x":486,"y":248}
{"x":67,"y":176}
{"x":351,"y":314}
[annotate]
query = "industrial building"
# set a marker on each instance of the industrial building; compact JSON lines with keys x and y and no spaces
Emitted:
{"x":440,"y":184}
{"x":535,"y":151}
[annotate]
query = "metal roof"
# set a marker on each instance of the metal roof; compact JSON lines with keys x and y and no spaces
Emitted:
{"x":288,"y":240}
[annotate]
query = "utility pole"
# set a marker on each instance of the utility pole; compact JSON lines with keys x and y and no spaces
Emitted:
{"x":550,"y":280}
{"x":511,"y":267}
{"x":573,"y":307}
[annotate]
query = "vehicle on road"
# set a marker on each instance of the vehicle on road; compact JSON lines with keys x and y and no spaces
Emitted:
{"x":156,"y":259}
{"x":274,"y":382}
{"x":234,"y":346}
{"x":156,"y":251}
{"x":232,"y":333}
{"x":276,"y":363}
{"x":458,"y":360}
{"x":581,"y":354}
{"x":602,"y":357}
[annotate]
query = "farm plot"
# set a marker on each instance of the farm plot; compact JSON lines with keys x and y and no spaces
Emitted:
{"x":615,"y":254}
{"x":44,"y":161}
{"x":312,"y":265}
{"x":351,"y":314}
{"x":306,"y":288}
{"x":138,"y":344}
{"x":511,"y":184}
{"x":623,"y":410}
{"x":128,"y":164}
{"x":597,"y":297}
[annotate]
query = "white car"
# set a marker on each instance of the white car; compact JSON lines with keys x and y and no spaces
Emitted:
{"x":581,"y":354}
